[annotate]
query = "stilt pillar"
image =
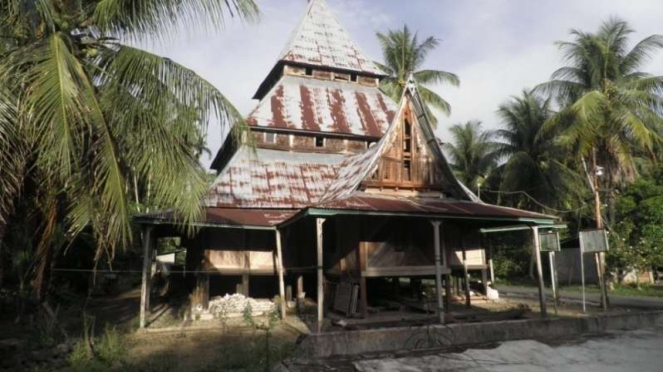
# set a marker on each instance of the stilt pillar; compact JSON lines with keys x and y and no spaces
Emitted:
{"x":147,"y":266}
{"x":279,"y":263}
{"x":536,"y":251}
{"x":438,"y":270}
{"x":321,"y":276}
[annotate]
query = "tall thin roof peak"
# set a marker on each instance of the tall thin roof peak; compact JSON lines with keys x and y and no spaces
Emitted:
{"x":321,"y":40}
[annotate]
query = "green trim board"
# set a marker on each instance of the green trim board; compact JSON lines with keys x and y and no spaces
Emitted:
{"x":490,"y":230}
{"x":335,"y":212}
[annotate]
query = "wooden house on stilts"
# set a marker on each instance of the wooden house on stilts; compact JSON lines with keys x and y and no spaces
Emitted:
{"x":341,"y":190}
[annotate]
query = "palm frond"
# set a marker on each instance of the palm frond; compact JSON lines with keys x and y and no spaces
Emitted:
{"x":436,"y":77}
{"x":157,"y":18}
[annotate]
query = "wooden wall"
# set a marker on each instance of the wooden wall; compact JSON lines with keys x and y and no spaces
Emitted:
{"x":232,"y":251}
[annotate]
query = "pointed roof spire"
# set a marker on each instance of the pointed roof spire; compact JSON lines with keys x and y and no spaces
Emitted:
{"x":321,"y":40}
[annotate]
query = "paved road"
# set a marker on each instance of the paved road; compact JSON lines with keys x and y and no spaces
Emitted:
{"x":616,"y":352}
{"x":629,"y":301}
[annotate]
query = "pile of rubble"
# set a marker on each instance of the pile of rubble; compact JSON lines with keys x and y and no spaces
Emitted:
{"x":234,"y":305}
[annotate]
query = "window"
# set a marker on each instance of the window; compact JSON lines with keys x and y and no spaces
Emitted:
{"x":407,"y":137}
{"x":309,"y":71}
{"x":353,"y":78}
{"x":270,"y":137}
{"x":319,"y":141}
{"x":407,"y":170}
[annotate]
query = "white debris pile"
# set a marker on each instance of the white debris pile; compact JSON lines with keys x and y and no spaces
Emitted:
{"x":236,"y":303}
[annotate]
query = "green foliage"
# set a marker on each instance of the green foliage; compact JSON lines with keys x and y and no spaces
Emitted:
{"x":608,"y":105}
{"x":63,"y":75}
{"x":472,"y":153}
{"x":534,"y":163}
{"x":403,"y":55}
{"x":511,"y":255}
{"x":637,"y":239}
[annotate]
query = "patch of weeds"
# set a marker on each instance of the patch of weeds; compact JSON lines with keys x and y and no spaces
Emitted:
{"x":108,"y":350}
{"x":109,"y":347}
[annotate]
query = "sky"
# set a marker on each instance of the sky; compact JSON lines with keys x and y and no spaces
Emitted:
{"x":496,"y":47}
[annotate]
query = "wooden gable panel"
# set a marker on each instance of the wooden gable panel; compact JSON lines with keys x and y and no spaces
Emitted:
{"x":408,"y":161}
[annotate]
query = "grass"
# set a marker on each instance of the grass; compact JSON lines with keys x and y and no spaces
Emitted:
{"x":644,"y":290}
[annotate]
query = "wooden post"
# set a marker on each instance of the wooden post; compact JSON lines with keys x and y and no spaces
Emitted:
{"x":321,"y":277}
{"x":602,"y":283}
{"x":553,"y":279}
{"x":484,"y":281}
{"x":466,"y":275}
{"x":490,"y":260}
{"x":300,"y":287}
{"x":205,"y":288}
{"x":438,"y":270}
{"x":245,"y":285}
{"x":363,"y":290}
{"x":539,"y":271}
{"x":279,"y":263}
{"x":147,"y":265}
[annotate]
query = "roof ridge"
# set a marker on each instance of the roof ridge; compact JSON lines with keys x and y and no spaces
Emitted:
{"x":320,"y":39}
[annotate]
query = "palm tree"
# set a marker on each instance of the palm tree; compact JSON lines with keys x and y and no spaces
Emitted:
{"x":403,"y":56}
{"x":472,"y":153}
{"x":91,"y":112}
{"x":611,"y":109}
{"x":534,"y":167}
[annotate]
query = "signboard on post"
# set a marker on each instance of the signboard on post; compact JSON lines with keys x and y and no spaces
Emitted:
{"x":549,"y":242}
{"x":593,"y":241}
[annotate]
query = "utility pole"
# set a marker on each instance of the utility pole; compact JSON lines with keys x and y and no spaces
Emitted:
{"x":599,"y":256}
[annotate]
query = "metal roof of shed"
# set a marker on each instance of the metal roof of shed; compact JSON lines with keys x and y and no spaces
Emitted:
{"x":262,"y":178}
{"x":313,"y":105}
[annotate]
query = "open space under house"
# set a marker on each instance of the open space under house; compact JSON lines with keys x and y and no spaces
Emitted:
{"x":345,"y":192}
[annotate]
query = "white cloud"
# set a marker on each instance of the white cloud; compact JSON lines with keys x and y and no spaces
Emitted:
{"x":497,"y":47}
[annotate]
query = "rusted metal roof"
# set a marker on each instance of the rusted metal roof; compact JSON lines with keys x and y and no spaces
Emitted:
{"x":365,"y":202}
{"x":227,"y":217}
{"x":321,"y":40}
{"x":262,"y":178}
{"x":308,"y":104}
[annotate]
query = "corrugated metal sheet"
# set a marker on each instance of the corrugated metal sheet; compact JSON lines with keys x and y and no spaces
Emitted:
{"x":360,"y":201}
{"x":308,"y":104}
{"x":263,"y":178}
{"x":229,"y":216}
{"x":321,"y":40}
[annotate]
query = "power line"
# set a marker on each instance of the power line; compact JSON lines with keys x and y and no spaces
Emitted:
{"x":536,"y":201}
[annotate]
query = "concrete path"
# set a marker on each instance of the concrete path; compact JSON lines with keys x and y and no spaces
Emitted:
{"x":616,"y":352}
{"x":627,"y":301}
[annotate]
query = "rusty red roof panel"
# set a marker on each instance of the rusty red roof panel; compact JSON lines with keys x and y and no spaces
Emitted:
{"x":321,"y":40}
{"x":314,"y":105}
{"x":262,"y":178}
{"x":365,"y":202}
{"x":229,"y":216}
